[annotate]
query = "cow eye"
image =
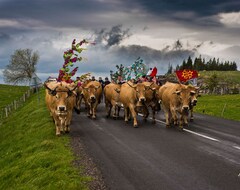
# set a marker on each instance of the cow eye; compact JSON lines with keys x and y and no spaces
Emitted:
{"x":69,"y":93}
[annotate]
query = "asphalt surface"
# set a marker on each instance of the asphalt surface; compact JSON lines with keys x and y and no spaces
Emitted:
{"x":206,"y":155}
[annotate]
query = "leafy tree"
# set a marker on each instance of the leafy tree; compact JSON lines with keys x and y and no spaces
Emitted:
{"x":21,"y":67}
{"x":212,"y":82}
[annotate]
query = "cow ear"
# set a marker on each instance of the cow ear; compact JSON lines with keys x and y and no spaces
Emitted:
{"x":192,"y":92}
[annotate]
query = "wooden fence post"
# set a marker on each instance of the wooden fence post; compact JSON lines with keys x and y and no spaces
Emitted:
{"x":6,"y":111}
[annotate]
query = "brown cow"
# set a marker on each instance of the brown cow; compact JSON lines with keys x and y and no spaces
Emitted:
{"x":60,"y":100}
{"x":111,"y":94}
{"x":92,"y":93}
{"x":132,"y":96}
{"x":79,"y":98}
{"x":152,"y":100}
{"x":193,"y":101}
{"x":175,"y":100}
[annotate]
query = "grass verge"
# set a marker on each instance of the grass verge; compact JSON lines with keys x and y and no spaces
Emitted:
{"x":225,"y":106}
{"x":31,"y":156}
{"x":8,"y":93}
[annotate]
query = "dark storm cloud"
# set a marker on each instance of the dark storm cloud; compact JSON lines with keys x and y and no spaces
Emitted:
{"x":60,"y":13}
{"x":199,"y":7}
{"x":112,"y":37}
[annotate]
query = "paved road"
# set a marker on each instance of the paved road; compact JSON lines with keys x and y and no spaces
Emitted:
{"x":206,"y":155}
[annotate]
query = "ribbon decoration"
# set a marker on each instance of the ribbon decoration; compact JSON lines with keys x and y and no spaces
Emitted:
{"x":118,"y":74}
{"x":70,"y":57}
{"x":136,"y":70}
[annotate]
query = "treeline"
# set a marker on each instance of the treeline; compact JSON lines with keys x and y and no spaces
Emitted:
{"x":201,"y":64}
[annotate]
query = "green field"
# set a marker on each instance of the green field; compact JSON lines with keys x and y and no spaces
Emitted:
{"x":226,"y":106}
{"x":232,"y":77}
{"x":8,"y":93}
{"x":31,"y":156}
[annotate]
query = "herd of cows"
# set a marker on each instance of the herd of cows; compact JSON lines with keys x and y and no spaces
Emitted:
{"x":176,"y":100}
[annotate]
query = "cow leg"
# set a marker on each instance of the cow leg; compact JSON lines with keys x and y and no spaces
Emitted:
{"x":191,"y":114}
{"x":118,"y":110}
{"x":108,"y":108}
{"x":115,"y":111}
{"x":181,"y":122}
{"x":174,"y":116}
{"x":68,"y":122}
{"x":134,"y":115}
{"x":57,"y":123}
{"x":94,"y":109}
{"x":153,"y":115}
{"x":145,"y":113}
{"x":167,"y":113}
{"x":126,"y":114}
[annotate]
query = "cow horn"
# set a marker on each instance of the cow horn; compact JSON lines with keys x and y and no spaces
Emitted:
{"x":131,"y":85}
{"x":74,"y":88}
{"x":52,"y":92}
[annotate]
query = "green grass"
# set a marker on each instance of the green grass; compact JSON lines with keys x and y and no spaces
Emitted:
{"x":226,"y":106}
{"x":224,"y":76}
{"x":8,"y":93}
{"x":31,"y":156}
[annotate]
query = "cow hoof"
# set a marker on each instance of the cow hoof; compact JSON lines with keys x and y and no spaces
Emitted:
{"x":77,"y":110}
{"x":191,"y":119}
{"x":58,"y":134}
{"x":168,"y":126}
{"x":135,"y":126}
{"x":180,"y":128}
{"x":93,"y":117}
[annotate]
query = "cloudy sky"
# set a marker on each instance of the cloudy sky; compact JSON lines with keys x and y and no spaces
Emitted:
{"x":123,"y":31}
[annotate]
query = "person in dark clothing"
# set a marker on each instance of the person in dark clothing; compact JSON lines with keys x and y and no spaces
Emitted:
{"x":106,"y":82}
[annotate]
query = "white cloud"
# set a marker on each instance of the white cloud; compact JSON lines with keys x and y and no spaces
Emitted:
{"x":9,"y":23}
{"x":230,"y":19}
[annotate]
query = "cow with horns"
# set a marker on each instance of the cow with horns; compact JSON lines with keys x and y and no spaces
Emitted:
{"x":92,"y":94}
{"x":176,"y":100}
{"x":60,"y":100}
{"x":133,"y":98}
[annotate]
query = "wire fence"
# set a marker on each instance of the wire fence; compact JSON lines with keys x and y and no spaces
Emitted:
{"x":7,"y":110}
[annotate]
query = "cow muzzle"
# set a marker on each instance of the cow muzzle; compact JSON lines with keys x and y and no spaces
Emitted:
{"x":185,"y":109}
{"x":61,"y":110}
{"x":142,"y":100}
{"x":92,"y":99}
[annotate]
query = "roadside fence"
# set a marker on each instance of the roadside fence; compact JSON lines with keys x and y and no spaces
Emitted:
{"x":7,"y":110}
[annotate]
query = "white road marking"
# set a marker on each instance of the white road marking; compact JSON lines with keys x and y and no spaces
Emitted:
{"x":201,"y":135}
{"x":192,"y":132}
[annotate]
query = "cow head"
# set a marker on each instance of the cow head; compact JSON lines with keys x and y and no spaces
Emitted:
{"x":194,"y":95}
{"x":61,"y":94}
{"x":91,"y":91}
{"x":140,"y":89}
{"x":184,"y":96}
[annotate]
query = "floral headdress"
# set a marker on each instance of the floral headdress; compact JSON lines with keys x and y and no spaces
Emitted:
{"x":70,"y":57}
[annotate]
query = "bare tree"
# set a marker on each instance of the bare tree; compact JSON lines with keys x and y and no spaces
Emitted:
{"x":21,"y":66}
